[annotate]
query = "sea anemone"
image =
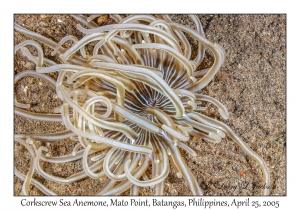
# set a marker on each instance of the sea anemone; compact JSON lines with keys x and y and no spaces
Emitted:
{"x":129,"y":106}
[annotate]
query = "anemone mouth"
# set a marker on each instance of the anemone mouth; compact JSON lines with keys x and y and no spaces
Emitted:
{"x":134,"y":102}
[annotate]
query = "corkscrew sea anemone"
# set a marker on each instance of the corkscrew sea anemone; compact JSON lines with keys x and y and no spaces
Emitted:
{"x":130,"y":106}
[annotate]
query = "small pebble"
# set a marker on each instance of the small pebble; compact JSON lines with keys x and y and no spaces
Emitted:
{"x":101,"y":19}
